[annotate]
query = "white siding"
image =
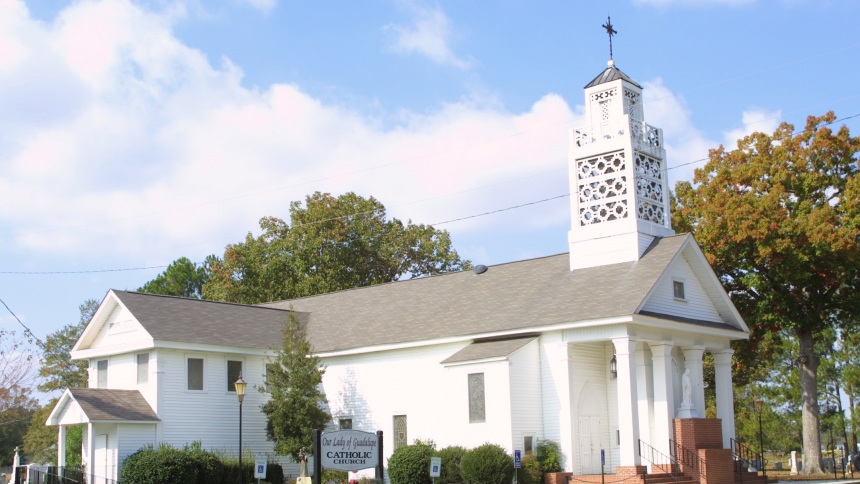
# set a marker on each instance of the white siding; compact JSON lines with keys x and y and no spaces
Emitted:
{"x":526,"y":405}
{"x":133,"y":437}
{"x":121,"y":327}
{"x":550,"y":400}
{"x":697,"y":305}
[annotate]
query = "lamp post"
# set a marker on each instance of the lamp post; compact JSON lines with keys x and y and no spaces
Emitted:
{"x":759,"y":406}
{"x":240,"y":393}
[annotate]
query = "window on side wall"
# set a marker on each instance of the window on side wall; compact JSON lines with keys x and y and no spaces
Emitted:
{"x":195,"y":373}
{"x":234,"y":371}
{"x":101,"y":372}
{"x":477,"y":408}
{"x":400,"y":437}
{"x":142,"y":368}
{"x":528,"y":445}
{"x":345,"y":423}
{"x":270,"y":368}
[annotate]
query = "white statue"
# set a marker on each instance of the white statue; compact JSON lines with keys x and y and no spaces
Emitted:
{"x":687,"y":389}
{"x":687,"y":409}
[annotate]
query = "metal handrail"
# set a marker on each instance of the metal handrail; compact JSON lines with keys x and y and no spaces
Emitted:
{"x":659,"y":460}
{"x":746,"y":455}
{"x":689,"y":459}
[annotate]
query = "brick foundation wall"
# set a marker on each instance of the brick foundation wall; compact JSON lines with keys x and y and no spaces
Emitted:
{"x":699,"y":433}
{"x":719,"y":466}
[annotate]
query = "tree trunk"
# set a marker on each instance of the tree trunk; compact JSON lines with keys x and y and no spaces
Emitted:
{"x":809,"y":362}
{"x":850,"y":393}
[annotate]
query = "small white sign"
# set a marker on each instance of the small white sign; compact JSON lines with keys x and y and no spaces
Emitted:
{"x":349,"y":450}
{"x":260,"y":468}
{"x":435,"y":466}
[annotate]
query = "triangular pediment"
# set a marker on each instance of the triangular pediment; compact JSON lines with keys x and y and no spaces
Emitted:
{"x":113,"y":325}
{"x":704,"y":297}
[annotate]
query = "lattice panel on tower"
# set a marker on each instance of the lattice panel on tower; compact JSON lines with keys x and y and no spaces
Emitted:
{"x":650,"y":199}
{"x":632,"y":105}
{"x":601,"y":165}
{"x":602,"y":212}
{"x":602,"y":188}
{"x":603,"y":95}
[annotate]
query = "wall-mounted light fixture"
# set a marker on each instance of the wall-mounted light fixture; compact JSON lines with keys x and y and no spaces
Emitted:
{"x":613,"y":367}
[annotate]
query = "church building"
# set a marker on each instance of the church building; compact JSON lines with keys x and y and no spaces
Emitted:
{"x":599,"y":349}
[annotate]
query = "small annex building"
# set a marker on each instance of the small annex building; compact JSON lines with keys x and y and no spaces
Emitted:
{"x":586,"y":348}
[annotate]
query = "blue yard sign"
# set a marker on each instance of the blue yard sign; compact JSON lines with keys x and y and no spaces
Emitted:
{"x":518,"y":459}
{"x":602,"y":457}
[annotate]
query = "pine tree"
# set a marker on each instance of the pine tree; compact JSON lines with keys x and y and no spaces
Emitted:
{"x":296,"y":407}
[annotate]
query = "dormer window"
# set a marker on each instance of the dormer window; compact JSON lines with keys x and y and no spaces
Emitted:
{"x":678,"y":289}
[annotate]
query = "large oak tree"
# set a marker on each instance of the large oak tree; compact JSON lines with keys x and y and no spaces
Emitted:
{"x":330,"y":243}
{"x":779,"y":220}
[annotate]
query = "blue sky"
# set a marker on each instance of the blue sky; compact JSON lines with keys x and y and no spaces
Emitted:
{"x":133,"y":133}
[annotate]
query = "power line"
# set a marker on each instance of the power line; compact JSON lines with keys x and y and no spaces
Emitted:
{"x":81,"y":272}
{"x":503,"y":209}
{"x":26,"y":329}
{"x":415,"y":158}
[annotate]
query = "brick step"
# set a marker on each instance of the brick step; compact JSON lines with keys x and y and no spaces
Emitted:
{"x":665,"y":478}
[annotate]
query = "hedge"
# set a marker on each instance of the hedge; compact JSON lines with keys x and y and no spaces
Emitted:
{"x":487,"y":464}
{"x":410,"y":464}
{"x":166,"y":464}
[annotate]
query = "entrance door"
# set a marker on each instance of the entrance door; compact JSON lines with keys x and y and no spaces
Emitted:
{"x":100,"y":467}
{"x":589,"y":444}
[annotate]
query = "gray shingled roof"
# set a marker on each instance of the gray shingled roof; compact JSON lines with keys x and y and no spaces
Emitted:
{"x":513,"y":296}
{"x":109,"y":404}
{"x":490,"y":348}
{"x":611,"y":73}
{"x":168,"y":318}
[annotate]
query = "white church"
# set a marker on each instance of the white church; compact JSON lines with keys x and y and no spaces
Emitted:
{"x":587,"y":349}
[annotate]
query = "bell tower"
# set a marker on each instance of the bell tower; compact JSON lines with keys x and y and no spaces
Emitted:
{"x":617,"y":164}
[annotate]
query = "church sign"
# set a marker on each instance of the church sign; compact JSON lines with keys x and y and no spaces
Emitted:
{"x":349,"y":450}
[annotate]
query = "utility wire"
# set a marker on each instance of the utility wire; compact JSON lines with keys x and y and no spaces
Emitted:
{"x":406,"y":160}
{"x":409,"y":203}
{"x":26,"y":329}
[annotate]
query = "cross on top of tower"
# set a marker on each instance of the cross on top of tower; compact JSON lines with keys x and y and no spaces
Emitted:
{"x":611,"y":32}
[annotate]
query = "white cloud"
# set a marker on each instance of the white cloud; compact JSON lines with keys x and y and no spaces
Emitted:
{"x":263,"y":5}
{"x":697,"y":3}
{"x":429,"y":34}
{"x":753,"y":120}
{"x":109,"y":118}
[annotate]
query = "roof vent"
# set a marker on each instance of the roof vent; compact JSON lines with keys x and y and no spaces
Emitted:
{"x":480,"y":269}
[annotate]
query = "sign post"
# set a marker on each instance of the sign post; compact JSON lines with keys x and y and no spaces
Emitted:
{"x":602,"y":464}
{"x":435,"y":468}
{"x":518,"y":463}
{"x":260,"y":468}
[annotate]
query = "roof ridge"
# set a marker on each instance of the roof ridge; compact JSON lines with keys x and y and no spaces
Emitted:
{"x":422,"y":278}
{"x":193,"y":299}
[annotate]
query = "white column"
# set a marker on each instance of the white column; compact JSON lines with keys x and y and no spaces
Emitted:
{"x":725,"y":394}
{"x":558,"y":357}
{"x":61,"y":447}
{"x":664,"y":396}
{"x":91,"y":451}
{"x":693,"y":361}
{"x":628,"y":411}
{"x":644,"y":388}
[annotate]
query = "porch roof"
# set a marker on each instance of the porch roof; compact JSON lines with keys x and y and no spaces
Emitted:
{"x":101,"y":405}
{"x":489,"y":348}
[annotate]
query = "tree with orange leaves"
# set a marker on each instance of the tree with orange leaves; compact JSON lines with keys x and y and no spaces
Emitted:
{"x":779,"y":220}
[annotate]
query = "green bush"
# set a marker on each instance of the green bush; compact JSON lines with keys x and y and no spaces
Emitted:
{"x":450,"y":472}
{"x":331,"y":476}
{"x":410,"y":464}
{"x":530,"y":472}
{"x":549,"y":457}
{"x":487,"y":464}
{"x":191,"y":465}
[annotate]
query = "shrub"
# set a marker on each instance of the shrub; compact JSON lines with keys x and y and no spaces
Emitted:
{"x":190,"y":465}
{"x":487,"y":464}
{"x":331,"y":476}
{"x":530,"y":472}
{"x":549,"y":456}
{"x":450,"y":472}
{"x":410,"y":464}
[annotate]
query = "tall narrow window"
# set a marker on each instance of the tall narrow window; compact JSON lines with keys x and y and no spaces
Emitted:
{"x":528,"y":445}
{"x":477,"y":409}
{"x":400,"y":438}
{"x":678,"y":288}
{"x":195,"y":373}
{"x":270,"y":368}
{"x":234,"y":371}
{"x":101,"y":369}
{"x":143,"y":368}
